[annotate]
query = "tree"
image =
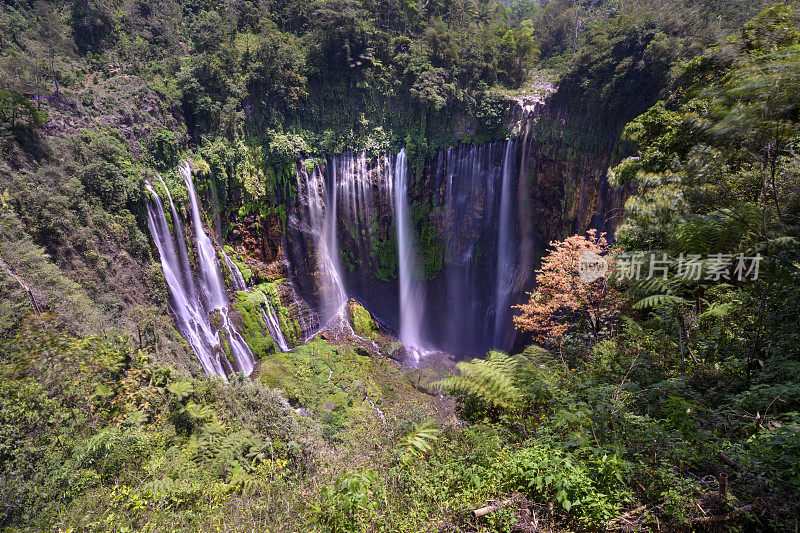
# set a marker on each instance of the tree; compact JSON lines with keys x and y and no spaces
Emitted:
{"x":52,"y":37}
{"x":208,"y":32}
{"x":15,"y":107}
{"x":562,"y":300}
{"x":276,"y":79}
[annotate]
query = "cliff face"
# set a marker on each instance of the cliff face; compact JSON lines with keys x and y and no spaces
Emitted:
{"x":481,"y":217}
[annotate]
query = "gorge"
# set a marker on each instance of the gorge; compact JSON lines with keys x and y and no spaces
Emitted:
{"x":438,"y":257}
{"x":292,"y":265}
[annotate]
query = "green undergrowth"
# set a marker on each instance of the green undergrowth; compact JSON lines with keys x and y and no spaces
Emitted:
{"x":97,"y":436}
{"x":337,"y":383}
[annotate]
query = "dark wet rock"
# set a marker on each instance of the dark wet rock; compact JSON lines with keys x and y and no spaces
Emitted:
{"x":423,"y":380}
{"x":397,"y":351}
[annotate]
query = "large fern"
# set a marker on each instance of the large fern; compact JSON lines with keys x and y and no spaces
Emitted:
{"x":724,"y":230}
{"x":657,"y":300}
{"x":219,"y":452}
{"x":491,"y":379}
{"x":419,"y":441}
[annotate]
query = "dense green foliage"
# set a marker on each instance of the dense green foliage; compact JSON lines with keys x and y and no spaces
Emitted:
{"x":106,"y":421}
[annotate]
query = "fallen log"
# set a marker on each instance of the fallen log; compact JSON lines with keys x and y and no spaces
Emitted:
{"x":627,"y":515}
{"x":483,"y":511}
{"x":730,"y":462}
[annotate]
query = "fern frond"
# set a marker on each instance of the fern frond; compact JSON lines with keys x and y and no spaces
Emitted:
{"x":420,"y":440}
{"x":657,"y":300}
{"x":491,"y":379}
{"x":716,"y":312}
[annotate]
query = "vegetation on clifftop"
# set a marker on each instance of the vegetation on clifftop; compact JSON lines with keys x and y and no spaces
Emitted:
{"x":638,"y":401}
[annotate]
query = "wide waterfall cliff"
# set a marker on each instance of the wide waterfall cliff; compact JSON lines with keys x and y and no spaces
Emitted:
{"x":439,"y":254}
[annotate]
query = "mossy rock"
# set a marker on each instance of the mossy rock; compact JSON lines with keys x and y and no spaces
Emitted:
{"x":396,"y":351}
{"x":336,"y":383}
{"x":423,"y":380}
{"x":254,"y":330}
{"x":363,"y":323}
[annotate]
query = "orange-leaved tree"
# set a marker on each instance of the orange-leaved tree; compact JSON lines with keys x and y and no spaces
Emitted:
{"x":566,"y":296}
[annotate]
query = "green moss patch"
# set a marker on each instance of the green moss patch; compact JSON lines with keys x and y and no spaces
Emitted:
{"x":362,"y":321}
{"x":254,"y":330}
{"x":338,"y":383}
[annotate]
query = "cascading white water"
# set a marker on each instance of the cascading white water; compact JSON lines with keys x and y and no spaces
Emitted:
{"x":271,"y":319}
{"x":268,"y":314}
{"x":210,"y":277}
{"x":412,"y":298}
{"x":330,"y":248}
{"x":237,"y":280}
{"x":321,"y":200}
{"x":505,"y":248}
{"x":180,"y":242}
{"x":211,"y":282}
{"x":469,"y":199}
{"x":190,"y":317}
{"x":318,"y":220}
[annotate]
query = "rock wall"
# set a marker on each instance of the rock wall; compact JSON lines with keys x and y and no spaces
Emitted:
{"x":558,"y":187}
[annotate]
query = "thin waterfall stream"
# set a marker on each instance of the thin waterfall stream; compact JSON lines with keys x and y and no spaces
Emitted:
{"x":268,"y":314}
{"x":505,"y":247}
{"x":412,"y":299}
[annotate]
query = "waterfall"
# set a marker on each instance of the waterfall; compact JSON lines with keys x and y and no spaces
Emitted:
{"x":322,"y":222}
{"x":211,"y":282}
{"x":411,"y":295}
{"x":237,"y":280}
{"x":351,"y":234}
{"x":330,"y":246}
{"x":267,"y":311}
{"x":183,"y":256}
{"x":461,"y":299}
{"x":210,"y":276}
{"x":505,"y":248}
{"x":194,"y":310}
{"x":273,"y":325}
{"x":190,"y":317}
{"x":316,"y":262}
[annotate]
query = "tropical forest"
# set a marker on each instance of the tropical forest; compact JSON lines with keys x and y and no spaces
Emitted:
{"x":399,"y":265}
